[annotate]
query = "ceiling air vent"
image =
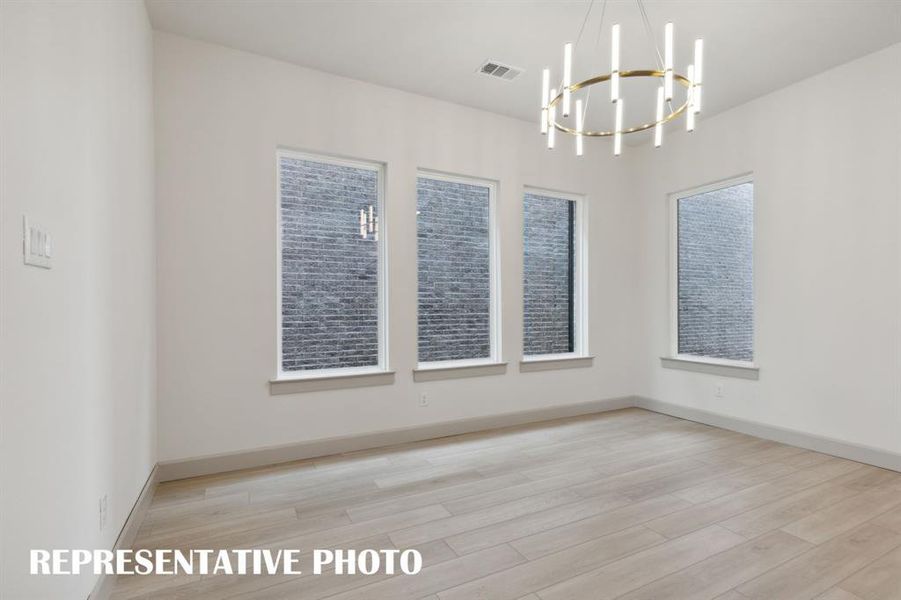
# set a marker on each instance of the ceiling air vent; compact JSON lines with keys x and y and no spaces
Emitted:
{"x":492,"y":68}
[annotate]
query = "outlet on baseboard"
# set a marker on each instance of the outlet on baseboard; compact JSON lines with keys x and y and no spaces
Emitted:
{"x":104,"y":512}
{"x":423,"y":399}
{"x":718,"y":391}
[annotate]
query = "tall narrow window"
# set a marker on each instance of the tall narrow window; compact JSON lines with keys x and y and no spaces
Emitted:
{"x":330,"y":254}
{"x":715,"y":291}
{"x":455,"y":220}
{"x":551,"y":274}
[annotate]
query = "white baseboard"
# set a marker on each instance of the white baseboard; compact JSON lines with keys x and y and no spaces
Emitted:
{"x":129,"y":531}
{"x":220,"y":463}
{"x":793,"y":437}
{"x":233,"y":461}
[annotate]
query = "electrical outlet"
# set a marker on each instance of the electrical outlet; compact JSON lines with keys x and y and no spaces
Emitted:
{"x":103,"y":507}
{"x":36,"y":245}
{"x":423,"y":399}
{"x":718,"y":391}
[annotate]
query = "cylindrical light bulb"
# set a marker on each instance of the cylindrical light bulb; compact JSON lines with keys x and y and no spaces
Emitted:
{"x":690,"y":115}
{"x":614,"y":48}
{"x":658,"y":128}
{"x":699,"y":73}
{"x":699,"y":61}
{"x":363,"y":223}
{"x":668,"y":62}
{"x":567,"y":76}
{"x":545,"y":90}
{"x":614,"y":63}
{"x":579,"y":118}
{"x":551,"y":118}
{"x":668,"y":47}
{"x":618,"y":133}
{"x":545,"y":87}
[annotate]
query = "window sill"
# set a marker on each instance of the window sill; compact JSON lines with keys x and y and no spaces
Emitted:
{"x":437,"y":371}
{"x":552,"y":362}
{"x":298,"y":384}
{"x":712,"y":366}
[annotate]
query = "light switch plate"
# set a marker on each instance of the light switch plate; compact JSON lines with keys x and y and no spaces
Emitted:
{"x":36,"y":245}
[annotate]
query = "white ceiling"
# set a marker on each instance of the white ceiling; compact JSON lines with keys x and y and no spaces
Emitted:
{"x":434,"y":47}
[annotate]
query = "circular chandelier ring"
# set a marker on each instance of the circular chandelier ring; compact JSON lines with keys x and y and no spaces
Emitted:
{"x":683,"y":81}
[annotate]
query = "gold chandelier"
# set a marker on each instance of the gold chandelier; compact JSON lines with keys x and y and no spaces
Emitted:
{"x":552,"y":101}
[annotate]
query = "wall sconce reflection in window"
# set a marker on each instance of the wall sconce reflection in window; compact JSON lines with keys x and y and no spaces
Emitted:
{"x":369,"y":223}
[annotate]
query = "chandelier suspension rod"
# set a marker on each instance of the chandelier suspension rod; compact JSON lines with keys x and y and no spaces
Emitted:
{"x":579,"y":36}
{"x":581,"y":29}
{"x":597,"y":44}
{"x":649,"y":31}
{"x":584,"y":22}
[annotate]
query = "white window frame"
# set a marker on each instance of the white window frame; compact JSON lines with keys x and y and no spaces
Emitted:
{"x":675,"y":357}
{"x":494,"y":321}
{"x":381,"y":274}
{"x":580,"y":275}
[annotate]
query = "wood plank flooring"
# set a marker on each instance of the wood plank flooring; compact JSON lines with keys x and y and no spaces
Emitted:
{"x":627,"y":504}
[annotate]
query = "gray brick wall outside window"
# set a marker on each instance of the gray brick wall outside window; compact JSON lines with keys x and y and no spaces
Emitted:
{"x":330,"y":284}
{"x":548,"y":263}
{"x":715,"y":272}
{"x":454,"y":268}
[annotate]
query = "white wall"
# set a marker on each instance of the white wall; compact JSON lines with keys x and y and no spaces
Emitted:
{"x":77,"y":391}
{"x":78,"y":342}
{"x":825,"y":157}
{"x":221,"y":114}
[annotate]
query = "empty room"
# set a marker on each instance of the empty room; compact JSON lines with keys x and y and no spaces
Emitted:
{"x":450,"y":299}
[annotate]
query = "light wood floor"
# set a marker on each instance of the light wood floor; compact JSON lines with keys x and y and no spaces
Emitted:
{"x":628,"y":504}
